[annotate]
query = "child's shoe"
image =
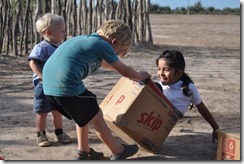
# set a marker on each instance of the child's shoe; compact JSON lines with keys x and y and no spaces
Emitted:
{"x":42,"y":141}
{"x":129,"y":150}
{"x":64,"y":138}
{"x":92,"y":155}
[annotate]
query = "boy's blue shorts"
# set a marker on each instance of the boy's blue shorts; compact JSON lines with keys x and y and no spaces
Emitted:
{"x":41,"y":104}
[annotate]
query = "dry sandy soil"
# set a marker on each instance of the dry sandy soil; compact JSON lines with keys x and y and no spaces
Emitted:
{"x":211,"y":45}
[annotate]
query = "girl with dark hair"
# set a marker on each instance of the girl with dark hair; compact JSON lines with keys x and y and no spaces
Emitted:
{"x":178,"y":87}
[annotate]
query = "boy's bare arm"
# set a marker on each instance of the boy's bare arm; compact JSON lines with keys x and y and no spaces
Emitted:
{"x":106,"y":65}
{"x":35,"y":68}
{"x":130,"y":72}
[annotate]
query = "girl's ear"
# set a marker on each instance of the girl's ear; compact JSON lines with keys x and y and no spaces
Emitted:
{"x":179,"y":73}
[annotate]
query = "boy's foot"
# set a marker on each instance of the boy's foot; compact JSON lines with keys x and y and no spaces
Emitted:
{"x":64,"y":138}
{"x":42,"y":141}
{"x":92,"y":155}
{"x":129,"y":150}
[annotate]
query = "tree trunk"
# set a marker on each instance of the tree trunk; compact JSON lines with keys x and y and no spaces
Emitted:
{"x":107,"y":10}
{"x":64,"y":15}
{"x":16,"y":29}
{"x":118,"y":14}
{"x":74,"y":6}
{"x":82,"y":19}
{"x":140,"y":21}
{"x":68,"y":12}
{"x":53,"y":6}
{"x":9,"y":29}
{"x":38,"y":12}
{"x":4,"y":16}
{"x":112,"y":13}
{"x":135,"y":37}
{"x":128,"y":13}
{"x":27,"y":26}
{"x":90,"y":17}
{"x":32,"y":29}
{"x":47,"y":7}
{"x":84,"y":16}
{"x":59,"y":7}
{"x":149,"y":31}
{"x":79,"y":18}
{"x":99,"y":13}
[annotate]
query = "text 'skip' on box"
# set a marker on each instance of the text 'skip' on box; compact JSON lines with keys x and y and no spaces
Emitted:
{"x":139,"y":113}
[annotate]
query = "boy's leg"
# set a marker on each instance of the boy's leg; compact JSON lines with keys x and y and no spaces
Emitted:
{"x":41,"y":108}
{"x":82,"y":138}
{"x":120,"y":151}
{"x":57,"y":119}
{"x":58,"y":125}
{"x":82,"y":109}
{"x":84,"y":152}
{"x":41,"y":121}
{"x":42,"y":139}
{"x":105,"y":135}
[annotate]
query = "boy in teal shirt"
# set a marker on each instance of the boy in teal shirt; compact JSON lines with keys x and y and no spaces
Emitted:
{"x":65,"y":71}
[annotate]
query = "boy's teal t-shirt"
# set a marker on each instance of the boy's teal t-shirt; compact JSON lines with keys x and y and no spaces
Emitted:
{"x":73,"y":61}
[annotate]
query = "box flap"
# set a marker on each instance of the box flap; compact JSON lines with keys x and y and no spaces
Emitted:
{"x":234,"y":132}
{"x":152,"y":85}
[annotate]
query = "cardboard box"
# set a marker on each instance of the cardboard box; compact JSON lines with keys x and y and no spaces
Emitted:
{"x":139,"y":113}
{"x":229,"y":144}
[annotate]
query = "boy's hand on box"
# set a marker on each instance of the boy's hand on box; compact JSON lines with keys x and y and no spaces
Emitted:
{"x":145,"y":75}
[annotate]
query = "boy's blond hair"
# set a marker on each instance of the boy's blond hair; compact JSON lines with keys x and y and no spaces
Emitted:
{"x":47,"y":21}
{"x":117,"y":29}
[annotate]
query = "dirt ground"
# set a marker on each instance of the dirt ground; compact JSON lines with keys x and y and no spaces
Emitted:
{"x":211,"y":45}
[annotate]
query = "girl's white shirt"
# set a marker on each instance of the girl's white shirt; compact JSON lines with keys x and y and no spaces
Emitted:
{"x":176,"y":96}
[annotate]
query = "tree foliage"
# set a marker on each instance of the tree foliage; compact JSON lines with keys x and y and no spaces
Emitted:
{"x":196,"y":8}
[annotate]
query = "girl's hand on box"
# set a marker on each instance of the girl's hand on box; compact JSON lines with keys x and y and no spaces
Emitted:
{"x":215,"y":135}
